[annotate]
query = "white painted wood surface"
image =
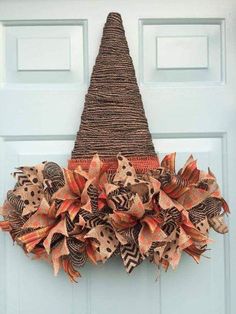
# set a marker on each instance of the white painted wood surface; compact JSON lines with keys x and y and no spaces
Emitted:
{"x":190,"y":109}
{"x":43,"y":54}
{"x":182,"y":52}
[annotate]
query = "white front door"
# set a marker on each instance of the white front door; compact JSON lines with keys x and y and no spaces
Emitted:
{"x":184,"y":54}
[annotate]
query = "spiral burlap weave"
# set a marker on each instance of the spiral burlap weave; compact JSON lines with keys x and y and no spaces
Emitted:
{"x":113,"y":120}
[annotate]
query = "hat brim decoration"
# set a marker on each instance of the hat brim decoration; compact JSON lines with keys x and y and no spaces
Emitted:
{"x":115,"y":197}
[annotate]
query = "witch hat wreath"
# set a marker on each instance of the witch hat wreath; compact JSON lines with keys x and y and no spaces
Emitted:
{"x":115,"y":198}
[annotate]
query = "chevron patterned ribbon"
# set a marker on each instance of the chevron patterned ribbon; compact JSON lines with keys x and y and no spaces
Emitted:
{"x":71,"y":216}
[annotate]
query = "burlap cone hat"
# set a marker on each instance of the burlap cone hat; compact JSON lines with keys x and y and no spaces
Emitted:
{"x":113,"y":120}
{"x":114,"y":198}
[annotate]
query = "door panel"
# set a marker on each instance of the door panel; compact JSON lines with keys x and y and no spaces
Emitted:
{"x":184,"y":56}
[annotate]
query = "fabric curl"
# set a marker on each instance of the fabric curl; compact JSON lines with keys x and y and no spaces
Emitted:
{"x":69,"y":217}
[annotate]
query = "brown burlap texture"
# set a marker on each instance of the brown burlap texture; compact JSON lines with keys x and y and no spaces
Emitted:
{"x":113,"y":120}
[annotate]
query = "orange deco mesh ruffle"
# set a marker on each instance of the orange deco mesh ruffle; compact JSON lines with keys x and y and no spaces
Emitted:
{"x":141,"y":164}
{"x":69,"y":217}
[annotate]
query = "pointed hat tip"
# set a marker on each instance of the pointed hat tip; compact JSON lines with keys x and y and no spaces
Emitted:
{"x":114,"y":16}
